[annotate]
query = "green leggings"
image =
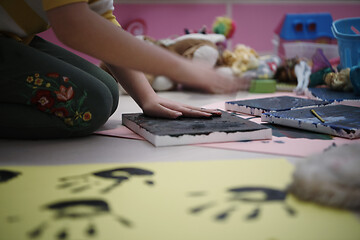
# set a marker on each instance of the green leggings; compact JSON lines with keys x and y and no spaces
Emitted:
{"x":48,"y":92}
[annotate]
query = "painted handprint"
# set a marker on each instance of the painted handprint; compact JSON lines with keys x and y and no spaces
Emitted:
{"x":113,"y":177}
{"x":236,"y":197}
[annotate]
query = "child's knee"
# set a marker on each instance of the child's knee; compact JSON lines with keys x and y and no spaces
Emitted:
{"x":57,"y":110}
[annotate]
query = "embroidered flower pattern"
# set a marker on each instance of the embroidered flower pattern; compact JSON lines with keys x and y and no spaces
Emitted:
{"x":43,"y":100}
{"x":86,"y":116}
{"x":55,"y":94}
{"x":64,"y":94}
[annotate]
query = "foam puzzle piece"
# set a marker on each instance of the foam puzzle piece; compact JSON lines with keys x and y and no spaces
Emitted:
{"x":339,"y":120}
{"x":167,"y":132}
{"x":261,"y":105}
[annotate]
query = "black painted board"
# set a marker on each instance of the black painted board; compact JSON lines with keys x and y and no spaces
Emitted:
{"x":339,"y":120}
{"x":329,"y":95}
{"x":260,"y":105}
{"x":227,"y":123}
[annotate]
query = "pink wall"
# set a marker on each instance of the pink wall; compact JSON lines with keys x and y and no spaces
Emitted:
{"x":165,"y":20}
{"x":255,"y":22}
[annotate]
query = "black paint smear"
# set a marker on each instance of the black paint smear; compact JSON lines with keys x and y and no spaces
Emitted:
{"x":149,"y":182}
{"x":124,"y":221}
{"x":227,"y":122}
{"x":270,"y":194}
{"x":202,"y":207}
{"x":294,"y":133}
{"x":289,"y":210}
{"x":91,"y":231}
{"x":245,"y":141}
{"x":254,"y":214}
{"x":196,"y":194}
{"x":224,"y":215}
{"x":93,"y":207}
{"x":62,"y":234}
{"x":6,"y":175}
{"x":129,"y":171}
{"x":12,"y":219}
{"x":38,"y":231}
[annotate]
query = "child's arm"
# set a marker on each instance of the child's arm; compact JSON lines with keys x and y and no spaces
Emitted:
{"x":84,"y":30}
{"x":136,"y":84}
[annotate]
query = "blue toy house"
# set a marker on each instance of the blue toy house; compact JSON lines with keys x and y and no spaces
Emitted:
{"x":300,"y":35}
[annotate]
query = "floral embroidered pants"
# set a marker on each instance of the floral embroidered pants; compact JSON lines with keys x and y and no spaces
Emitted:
{"x":49,"y":92}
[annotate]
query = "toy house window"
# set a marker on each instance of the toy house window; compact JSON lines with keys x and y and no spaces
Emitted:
{"x":299,"y":27}
{"x":311,"y":27}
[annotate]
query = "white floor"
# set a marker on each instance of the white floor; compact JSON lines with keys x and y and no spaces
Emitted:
{"x":102,"y":149}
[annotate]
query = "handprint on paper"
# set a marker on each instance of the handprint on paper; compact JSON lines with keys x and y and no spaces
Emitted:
{"x":113,"y":178}
{"x":87,"y":210}
{"x":236,"y":197}
{"x":7,"y":175}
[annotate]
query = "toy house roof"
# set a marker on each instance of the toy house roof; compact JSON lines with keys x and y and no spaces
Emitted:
{"x":305,"y":26}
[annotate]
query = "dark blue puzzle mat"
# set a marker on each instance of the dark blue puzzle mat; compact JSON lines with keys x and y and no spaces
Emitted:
{"x":339,"y":120}
{"x":326,"y":94}
{"x":261,"y":105}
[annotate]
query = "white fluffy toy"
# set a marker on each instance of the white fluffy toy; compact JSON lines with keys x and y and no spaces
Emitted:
{"x":331,"y":178}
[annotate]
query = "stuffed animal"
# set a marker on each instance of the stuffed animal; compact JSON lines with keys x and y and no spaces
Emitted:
{"x":339,"y":81}
{"x":194,"y":46}
{"x":241,"y":59}
{"x":244,"y":61}
{"x":331,"y":178}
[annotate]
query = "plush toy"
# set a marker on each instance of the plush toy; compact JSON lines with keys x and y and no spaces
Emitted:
{"x":245,"y":62}
{"x":241,"y":59}
{"x":285,"y":73}
{"x":225,"y":26}
{"x":194,"y":46}
{"x":331,"y":178}
{"x":295,"y":71}
{"x":339,"y":81}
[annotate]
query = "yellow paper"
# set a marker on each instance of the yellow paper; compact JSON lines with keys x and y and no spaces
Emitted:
{"x":228,"y":199}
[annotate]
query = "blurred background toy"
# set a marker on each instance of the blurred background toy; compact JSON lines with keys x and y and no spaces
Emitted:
{"x":331,"y":178}
{"x":339,"y":81}
{"x":241,"y":59}
{"x":136,"y":27}
{"x":300,"y":34}
{"x":195,"y":46}
{"x":225,"y":26}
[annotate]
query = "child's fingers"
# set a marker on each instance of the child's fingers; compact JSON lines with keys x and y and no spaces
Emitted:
{"x":163,"y":112}
{"x":212,"y":111}
{"x":198,"y":112}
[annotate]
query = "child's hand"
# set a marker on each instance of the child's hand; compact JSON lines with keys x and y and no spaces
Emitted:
{"x":160,"y":107}
{"x":199,"y":76}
